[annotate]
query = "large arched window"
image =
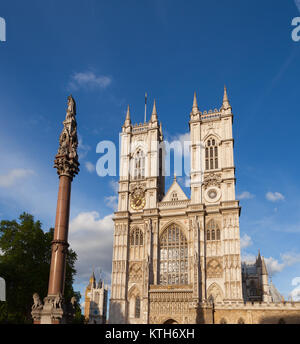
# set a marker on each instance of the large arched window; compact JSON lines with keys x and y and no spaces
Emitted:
{"x":136,"y":237}
{"x":211,"y":155}
{"x":212,"y":231}
{"x":139,"y":165}
{"x":173,"y":256}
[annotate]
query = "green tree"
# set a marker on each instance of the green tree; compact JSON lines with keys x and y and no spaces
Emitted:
{"x":25,"y":255}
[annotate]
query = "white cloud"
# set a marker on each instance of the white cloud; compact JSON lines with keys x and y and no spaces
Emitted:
{"x":13,"y":176}
{"x":246,"y":241}
{"x":112,"y":202}
{"x":82,"y":148}
{"x":274,"y":196}
{"x":89,"y":166}
{"x":245,"y":195}
{"x":296,"y":281}
{"x":91,"y":237}
{"x":288,"y":259}
{"x":114,"y":185}
{"x":248,"y":258}
{"x":297,"y":3}
{"x":273,"y":266}
{"x":295,"y":293}
{"x":89,"y":80}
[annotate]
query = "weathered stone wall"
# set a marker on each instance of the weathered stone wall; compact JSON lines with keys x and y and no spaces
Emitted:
{"x":258,"y":313}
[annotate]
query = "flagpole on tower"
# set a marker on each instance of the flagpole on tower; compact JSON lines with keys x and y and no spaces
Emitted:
{"x":145,"y":106}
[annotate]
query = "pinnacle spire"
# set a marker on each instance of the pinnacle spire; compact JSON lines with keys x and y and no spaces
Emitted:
{"x":154,"y":113}
{"x":226,"y":104}
{"x":127,"y":120}
{"x":264,"y":268}
{"x":195,"y":108}
{"x":128,"y":113}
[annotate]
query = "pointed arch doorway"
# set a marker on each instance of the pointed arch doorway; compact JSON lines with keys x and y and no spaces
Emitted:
{"x":170,"y":321}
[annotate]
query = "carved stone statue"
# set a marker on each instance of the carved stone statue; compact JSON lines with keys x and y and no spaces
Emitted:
{"x":57,"y":302}
{"x":66,"y":160}
{"x":71,"y":105}
{"x":37,"y":303}
{"x":73,"y":301}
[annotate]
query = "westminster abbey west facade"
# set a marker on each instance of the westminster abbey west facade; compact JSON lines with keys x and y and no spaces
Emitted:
{"x":175,"y":259}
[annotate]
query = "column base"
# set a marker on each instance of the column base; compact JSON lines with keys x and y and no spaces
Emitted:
{"x":53,"y":311}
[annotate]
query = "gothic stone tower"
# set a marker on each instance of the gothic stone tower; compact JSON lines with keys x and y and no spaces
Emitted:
{"x":95,"y":302}
{"x":174,"y":256}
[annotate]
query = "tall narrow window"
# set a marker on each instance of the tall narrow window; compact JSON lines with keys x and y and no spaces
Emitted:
{"x":213,"y":235}
{"x":208,"y":235}
{"x":212,"y":231}
{"x":173,"y":257}
{"x":136,"y":237}
{"x":137,"y":307}
{"x":211,"y":155}
{"x":139,"y":165}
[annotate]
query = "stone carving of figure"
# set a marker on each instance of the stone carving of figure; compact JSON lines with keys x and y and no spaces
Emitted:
{"x":37,"y":304}
{"x":57,"y":301}
{"x":66,"y":160}
{"x":71,"y":105}
{"x":195,"y":258}
{"x":73,"y":301}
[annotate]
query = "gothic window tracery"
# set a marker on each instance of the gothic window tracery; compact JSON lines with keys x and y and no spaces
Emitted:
{"x":173,"y":256}
{"x":212,"y":231}
{"x":136,"y":237}
{"x":211,"y":155}
{"x":139,"y":165}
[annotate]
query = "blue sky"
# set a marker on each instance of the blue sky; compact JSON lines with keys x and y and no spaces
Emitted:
{"x":108,"y":54}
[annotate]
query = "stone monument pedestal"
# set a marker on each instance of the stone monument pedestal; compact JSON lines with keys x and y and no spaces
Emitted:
{"x":53,"y":311}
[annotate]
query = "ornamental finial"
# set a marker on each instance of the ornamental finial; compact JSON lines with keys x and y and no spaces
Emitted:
{"x":66,"y":160}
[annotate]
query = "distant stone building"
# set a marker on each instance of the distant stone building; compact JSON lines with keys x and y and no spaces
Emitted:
{"x":95,"y":308}
{"x":177,"y":259}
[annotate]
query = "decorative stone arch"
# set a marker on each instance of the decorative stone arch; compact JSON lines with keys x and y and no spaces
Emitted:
{"x":136,"y":146}
{"x":170,"y":321}
{"x":213,"y":136}
{"x":133,"y":294}
{"x":215,"y":293}
{"x":281,"y":321}
{"x":174,"y":222}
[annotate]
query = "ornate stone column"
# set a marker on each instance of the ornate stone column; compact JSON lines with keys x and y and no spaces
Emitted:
{"x":66,"y":162}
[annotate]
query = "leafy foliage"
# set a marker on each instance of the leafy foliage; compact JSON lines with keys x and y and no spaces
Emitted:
{"x":25,"y":255}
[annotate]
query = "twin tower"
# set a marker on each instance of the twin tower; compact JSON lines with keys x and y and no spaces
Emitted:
{"x":173,"y":257}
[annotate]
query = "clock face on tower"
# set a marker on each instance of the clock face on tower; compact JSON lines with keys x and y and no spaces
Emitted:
{"x":138,"y":200}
